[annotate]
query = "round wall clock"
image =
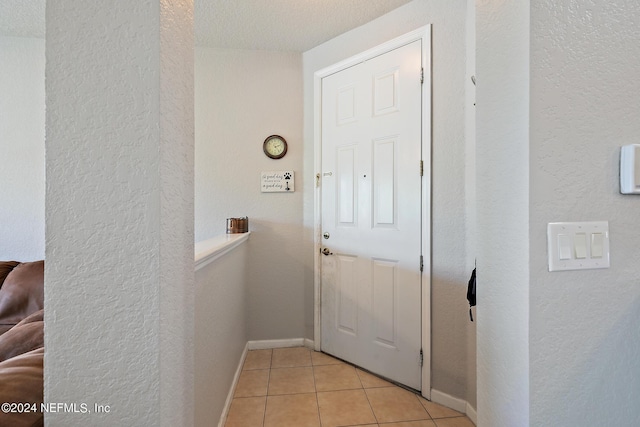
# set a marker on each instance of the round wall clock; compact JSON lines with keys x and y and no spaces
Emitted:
{"x":275,"y":147}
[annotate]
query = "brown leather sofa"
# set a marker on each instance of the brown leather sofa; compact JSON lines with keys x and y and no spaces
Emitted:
{"x":21,"y":340}
{"x":21,"y":291}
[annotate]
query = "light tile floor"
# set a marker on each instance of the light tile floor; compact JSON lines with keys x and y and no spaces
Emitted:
{"x":297,"y":387}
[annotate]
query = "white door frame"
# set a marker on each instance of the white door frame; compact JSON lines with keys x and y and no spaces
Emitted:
{"x":424,"y":34}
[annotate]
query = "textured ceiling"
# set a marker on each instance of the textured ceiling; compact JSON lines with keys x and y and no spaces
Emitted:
{"x":290,"y":25}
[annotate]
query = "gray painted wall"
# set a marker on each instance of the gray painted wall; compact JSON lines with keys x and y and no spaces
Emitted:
{"x":220,"y":331}
{"x":241,"y":97}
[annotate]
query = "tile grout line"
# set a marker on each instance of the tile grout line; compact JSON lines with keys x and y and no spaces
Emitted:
{"x":266,"y":398}
{"x":368,"y":401}
{"x":423,"y":407}
{"x":364,"y":390}
{"x":313,"y":374}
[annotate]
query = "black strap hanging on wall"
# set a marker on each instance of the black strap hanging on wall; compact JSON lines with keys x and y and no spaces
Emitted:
{"x":471,"y":292}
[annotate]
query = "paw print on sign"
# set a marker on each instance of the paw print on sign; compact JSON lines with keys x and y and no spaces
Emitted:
{"x":287,"y":175}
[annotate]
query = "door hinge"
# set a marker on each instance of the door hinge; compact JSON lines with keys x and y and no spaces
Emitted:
{"x":421,"y":358}
{"x":421,"y":76}
{"x":421,"y":263}
{"x":421,"y":167}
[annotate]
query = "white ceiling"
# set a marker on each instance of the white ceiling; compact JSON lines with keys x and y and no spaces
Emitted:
{"x":288,"y":25}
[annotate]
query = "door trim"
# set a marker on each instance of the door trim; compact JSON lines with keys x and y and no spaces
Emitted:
{"x":424,"y":34}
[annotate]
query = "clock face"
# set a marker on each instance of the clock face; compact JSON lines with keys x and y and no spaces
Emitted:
{"x":275,"y":147}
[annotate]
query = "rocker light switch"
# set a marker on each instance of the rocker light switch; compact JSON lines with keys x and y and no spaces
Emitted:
{"x":597,"y":240}
{"x":578,"y":245}
{"x":581,"y":245}
{"x":564,"y":246}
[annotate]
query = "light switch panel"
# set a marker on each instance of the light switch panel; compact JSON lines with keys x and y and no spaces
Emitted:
{"x":578,"y":245}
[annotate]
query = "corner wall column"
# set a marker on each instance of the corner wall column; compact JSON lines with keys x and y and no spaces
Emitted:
{"x":502,"y":200}
{"x":119,"y":274}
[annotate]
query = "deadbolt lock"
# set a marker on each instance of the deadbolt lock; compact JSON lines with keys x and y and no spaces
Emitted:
{"x":326,"y":235}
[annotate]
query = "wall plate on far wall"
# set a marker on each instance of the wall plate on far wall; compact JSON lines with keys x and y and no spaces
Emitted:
{"x":277,"y":182}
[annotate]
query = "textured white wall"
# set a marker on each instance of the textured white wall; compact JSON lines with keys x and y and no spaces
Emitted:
{"x":242,"y":97}
{"x":220,"y":331}
{"x":502,"y":184}
{"x":585,"y":325}
{"x":22,"y":148}
{"x":451,"y":264}
{"x":119,"y":211}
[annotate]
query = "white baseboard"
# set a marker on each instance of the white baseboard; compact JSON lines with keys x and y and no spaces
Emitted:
{"x":290,"y":342}
{"x":448,"y":401}
{"x":472,"y":414}
{"x":454,"y":403}
{"x":236,"y":377}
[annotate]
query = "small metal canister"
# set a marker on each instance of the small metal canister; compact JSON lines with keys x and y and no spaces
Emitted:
{"x":237,"y":225}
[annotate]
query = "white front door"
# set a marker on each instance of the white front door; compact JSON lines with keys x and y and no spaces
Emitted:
{"x":372,"y":214}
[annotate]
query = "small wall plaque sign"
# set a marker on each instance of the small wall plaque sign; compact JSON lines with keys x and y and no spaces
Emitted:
{"x":277,"y":182}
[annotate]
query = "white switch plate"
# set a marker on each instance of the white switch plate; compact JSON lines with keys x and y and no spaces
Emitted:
{"x":578,"y":245}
